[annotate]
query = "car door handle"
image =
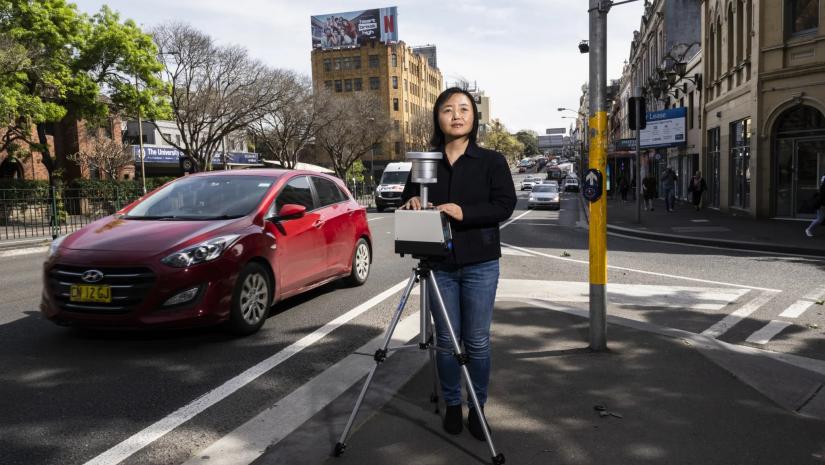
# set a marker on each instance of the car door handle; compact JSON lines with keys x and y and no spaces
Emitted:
{"x":318,"y":224}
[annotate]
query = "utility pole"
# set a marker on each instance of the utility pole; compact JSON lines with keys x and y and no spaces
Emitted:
{"x":598,"y":161}
{"x":140,"y":135}
{"x":637,"y":102}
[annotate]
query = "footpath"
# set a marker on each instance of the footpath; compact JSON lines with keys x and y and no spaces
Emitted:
{"x":712,"y":228}
{"x":670,"y":397}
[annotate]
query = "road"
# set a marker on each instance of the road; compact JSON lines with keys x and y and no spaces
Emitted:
{"x":69,"y":397}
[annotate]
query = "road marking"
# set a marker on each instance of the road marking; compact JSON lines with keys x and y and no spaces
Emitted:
{"x":148,"y":435}
{"x":816,"y":294}
{"x":722,"y":326}
{"x":764,"y":335}
{"x":379,"y":218}
{"x":251,"y":440}
{"x":633,"y":270}
{"x":26,"y":251}
{"x":509,"y":251}
{"x":514,"y":219}
{"x":796,"y":309}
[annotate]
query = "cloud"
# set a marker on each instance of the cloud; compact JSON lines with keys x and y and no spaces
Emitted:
{"x":523,"y":53}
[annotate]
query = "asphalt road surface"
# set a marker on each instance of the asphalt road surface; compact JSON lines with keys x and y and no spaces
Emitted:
{"x":70,"y":397}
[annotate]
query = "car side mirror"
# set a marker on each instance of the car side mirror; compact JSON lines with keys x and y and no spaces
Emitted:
{"x":289,"y":211}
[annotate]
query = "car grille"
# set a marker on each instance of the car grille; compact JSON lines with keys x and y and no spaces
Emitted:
{"x":390,"y":195}
{"x":129,"y":286}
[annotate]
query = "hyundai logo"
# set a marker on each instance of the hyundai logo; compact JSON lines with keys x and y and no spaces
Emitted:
{"x":91,"y":276}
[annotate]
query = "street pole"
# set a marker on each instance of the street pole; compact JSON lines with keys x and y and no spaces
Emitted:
{"x":598,"y":160}
{"x":140,"y":135}
{"x":637,"y":102}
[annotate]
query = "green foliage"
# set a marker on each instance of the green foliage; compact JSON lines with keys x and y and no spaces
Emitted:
{"x":55,"y":61}
{"x":498,"y":139}
{"x":530,"y":140}
{"x":356,"y":171}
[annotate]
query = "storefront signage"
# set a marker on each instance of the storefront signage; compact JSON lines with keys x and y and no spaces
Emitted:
{"x":665,"y":128}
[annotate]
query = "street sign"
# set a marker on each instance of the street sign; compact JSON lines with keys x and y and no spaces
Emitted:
{"x":592,"y":189}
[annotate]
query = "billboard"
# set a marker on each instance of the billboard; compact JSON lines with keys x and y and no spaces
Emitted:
{"x":171,"y":155}
{"x":353,"y":28}
{"x":665,"y":128}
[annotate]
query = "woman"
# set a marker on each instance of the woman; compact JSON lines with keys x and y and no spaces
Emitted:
{"x":475,"y":190}
{"x":697,"y":188}
{"x":649,"y":191}
{"x":819,"y":204}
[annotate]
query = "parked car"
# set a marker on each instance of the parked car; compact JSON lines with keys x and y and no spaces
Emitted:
{"x":544,"y":195}
{"x":571,"y":184}
{"x":529,"y":181}
{"x":522,"y":169}
{"x":217,"y":247}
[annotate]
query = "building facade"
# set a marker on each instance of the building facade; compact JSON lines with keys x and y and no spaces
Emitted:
{"x":404,"y":81}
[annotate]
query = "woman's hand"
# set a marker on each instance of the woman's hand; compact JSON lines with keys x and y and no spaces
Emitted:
{"x":452,"y":210}
{"x":413,"y":204}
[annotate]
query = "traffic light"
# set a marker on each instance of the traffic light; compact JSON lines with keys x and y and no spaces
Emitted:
{"x":632,"y":103}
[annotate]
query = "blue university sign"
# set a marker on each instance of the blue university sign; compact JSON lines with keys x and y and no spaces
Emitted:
{"x":665,"y":128}
{"x":171,"y":155}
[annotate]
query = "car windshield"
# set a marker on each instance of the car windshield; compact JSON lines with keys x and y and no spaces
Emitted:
{"x":203,"y":198}
{"x":394,"y":177}
{"x":545,"y":188}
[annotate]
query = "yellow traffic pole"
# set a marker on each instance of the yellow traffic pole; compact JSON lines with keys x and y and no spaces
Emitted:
{"x":597,"y":90}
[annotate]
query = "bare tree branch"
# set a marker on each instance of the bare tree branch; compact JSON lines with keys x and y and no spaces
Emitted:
{"x":107,"y":155}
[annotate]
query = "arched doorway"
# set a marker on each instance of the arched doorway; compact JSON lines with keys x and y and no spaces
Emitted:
{"x":11,"y":168}
{"x":799,"y":161}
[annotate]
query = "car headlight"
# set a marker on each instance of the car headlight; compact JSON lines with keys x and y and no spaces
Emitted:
{"x":55,"y":245}
{"x":201,"y":253}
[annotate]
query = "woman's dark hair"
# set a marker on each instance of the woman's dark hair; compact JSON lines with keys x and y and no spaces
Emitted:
{"x":437,"y":140}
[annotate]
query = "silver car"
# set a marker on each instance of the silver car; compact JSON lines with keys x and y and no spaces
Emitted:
{"x":544,"y":195}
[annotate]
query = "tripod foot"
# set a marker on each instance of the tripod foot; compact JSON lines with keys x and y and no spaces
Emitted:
{"x":498,"y":459}
{"x":340,"y":447}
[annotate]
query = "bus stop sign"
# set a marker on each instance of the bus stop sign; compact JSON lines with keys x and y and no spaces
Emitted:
{"x":592,"y":188}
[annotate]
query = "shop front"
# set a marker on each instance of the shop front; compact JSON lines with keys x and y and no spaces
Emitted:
{"x":799,"y":159}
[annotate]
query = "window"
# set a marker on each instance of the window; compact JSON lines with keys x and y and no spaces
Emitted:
{"x":712,"y":172}
{"x":327,"y":64}
{"x":690,"y":110}
{"x":357,"y":83}
{"x":802,"y":16}
{"x":406,"y":85}
{"x":166,"y":137}
{"x":328,"y":85}
{"x":740,"y":34}
{"x":395,"y":124}
{"x":337,"y":63}
{"x":296,"y":191}
{"x":395,"y":82}
{"x":394,"y":60}
{"x":398,"y":148}
{"x":374,"y":83}
{"x":348,"y":85}
{"x":338,"y":86}
{"x":328,"y":192}
{"x":395,"y":104}
{"x":373,"y":61}
{"x":356,"y":62}
{"x":731,"y":38}
{"x":740,"y":163}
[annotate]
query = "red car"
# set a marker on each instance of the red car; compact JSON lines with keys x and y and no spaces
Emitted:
{"x":209,"y":248}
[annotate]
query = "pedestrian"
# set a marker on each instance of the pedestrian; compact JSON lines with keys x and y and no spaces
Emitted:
{"x":818,"y":202}
{"x":623,"y":187}
{"x":669,"y":185}
{"x":697,"y":188}
{"x":475,"y":190}
{"x":649,"y":191}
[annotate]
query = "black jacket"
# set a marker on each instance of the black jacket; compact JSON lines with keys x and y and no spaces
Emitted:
{"x":481,"y":184}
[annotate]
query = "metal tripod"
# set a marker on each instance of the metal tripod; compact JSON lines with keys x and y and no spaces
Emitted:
{"x":422,"y":274}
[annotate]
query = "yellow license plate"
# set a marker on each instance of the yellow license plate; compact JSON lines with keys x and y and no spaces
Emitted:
{"x":87,"y":293}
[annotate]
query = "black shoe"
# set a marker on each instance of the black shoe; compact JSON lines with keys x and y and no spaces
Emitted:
{"x":453,"y":421}
{"x":474,"y":424}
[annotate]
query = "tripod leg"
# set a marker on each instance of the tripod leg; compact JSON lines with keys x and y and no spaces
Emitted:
{"x":427,"y":340}
{"x":380,"y":355}
{"x":462,"y":361}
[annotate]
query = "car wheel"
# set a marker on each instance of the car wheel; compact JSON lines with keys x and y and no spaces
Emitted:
{"x":360,"y":264}
{"x":250,"y":300}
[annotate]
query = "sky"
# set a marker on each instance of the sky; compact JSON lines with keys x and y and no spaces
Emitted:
{"x":522,"y":53}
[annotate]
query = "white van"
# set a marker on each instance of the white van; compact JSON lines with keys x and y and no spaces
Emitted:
{"x":388,"y":192}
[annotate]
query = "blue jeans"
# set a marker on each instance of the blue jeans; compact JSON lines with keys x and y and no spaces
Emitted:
{"x":469,"y":293}
{"x":820,"y":217}
{"x":670,"y":198}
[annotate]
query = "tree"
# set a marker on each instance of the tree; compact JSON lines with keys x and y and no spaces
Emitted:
{"x":498,"y":139}
{"x":107,"y":155}
{"x":286,"y":128}
{"x":530,"y":140}
{"x":216,"y":90}
{"x":57,"y":62}
{"x":356,"y":125}
{"x":421,"y":130}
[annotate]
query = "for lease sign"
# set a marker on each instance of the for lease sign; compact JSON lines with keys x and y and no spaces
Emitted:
{"x":665,"y":128}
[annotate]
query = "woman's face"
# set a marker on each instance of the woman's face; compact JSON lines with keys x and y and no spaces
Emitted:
{"x":455,"y":116}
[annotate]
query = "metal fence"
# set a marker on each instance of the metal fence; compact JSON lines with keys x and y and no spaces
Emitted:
{"x":46,"y":213}
{"x":364,"y":193}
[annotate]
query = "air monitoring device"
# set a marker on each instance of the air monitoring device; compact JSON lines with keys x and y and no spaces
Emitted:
{"x":423,"y":233}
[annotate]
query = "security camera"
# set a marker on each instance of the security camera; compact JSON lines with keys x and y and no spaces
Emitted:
{"x":584,"y":46}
